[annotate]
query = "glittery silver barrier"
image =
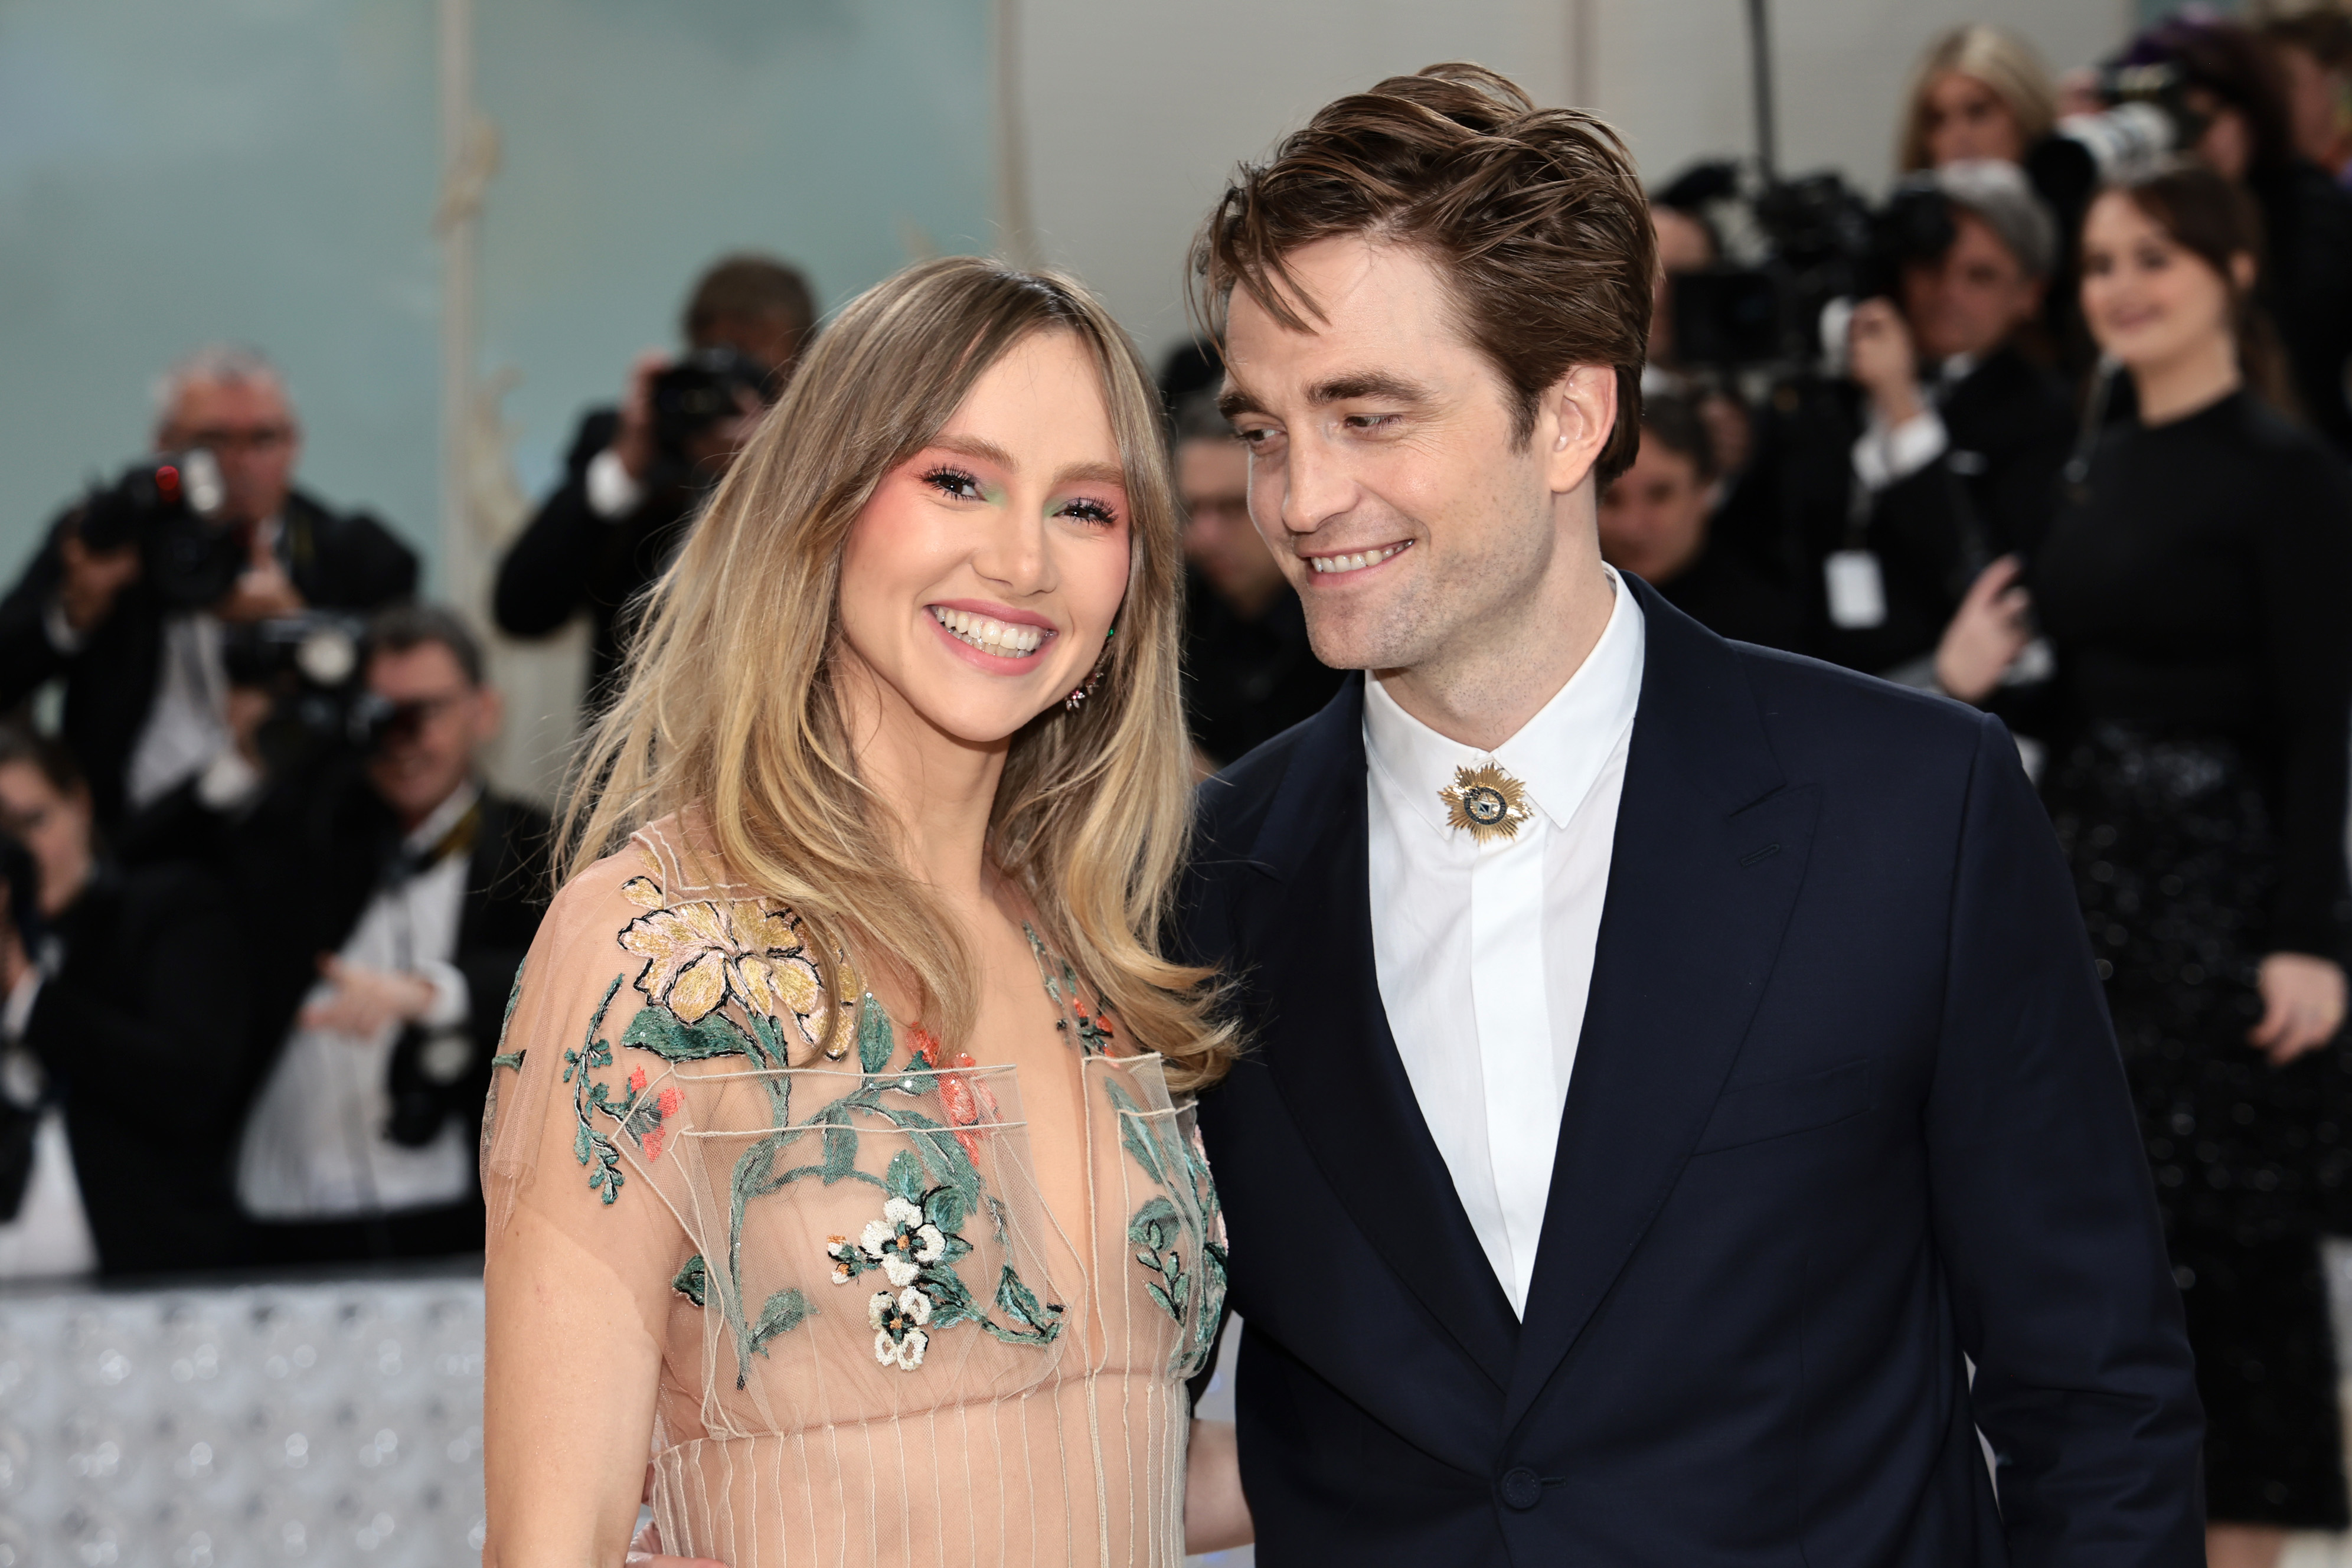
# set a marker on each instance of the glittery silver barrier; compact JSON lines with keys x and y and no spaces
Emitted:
{"x":329,"y":1422}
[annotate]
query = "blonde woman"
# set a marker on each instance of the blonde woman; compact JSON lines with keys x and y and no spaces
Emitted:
{"x":1981,"y":93}
{"x":1976,"y":92}
{"x":841,"y":1156}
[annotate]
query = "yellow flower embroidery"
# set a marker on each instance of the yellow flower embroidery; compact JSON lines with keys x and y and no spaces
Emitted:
{"x":700,"y":954}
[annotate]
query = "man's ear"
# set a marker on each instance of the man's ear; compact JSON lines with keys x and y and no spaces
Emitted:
{"x":2242,"y":270}
{"x":1573,"y":424}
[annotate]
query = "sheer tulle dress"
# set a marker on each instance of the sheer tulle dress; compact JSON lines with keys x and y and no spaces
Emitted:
{"x":880,"y":1347}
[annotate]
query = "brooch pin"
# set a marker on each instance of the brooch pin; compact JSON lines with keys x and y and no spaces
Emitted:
{"x":1487,"y":801}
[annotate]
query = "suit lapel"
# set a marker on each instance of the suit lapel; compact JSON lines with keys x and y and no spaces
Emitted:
{"x":1710,"y":850}
{"x":1331,"y":1054}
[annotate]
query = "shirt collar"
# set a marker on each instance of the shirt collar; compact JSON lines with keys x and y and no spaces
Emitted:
{"x":1558,"y":753}
{"x":442,"y":818}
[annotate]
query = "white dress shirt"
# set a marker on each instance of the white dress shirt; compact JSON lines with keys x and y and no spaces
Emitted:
{"x":1485,"y":951}
{"x":49,"y":1234}
{"x":314,"y":1148}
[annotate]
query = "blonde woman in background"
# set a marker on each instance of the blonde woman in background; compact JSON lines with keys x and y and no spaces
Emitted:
{"x":1978,"y":92}
{"x":841,"y":1156}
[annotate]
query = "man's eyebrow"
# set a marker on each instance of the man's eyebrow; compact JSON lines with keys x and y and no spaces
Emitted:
{"x":1233,"y":402}
{"x":1374,"y":384}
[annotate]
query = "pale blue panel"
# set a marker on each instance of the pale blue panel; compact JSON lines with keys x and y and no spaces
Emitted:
{"x":174,"y":172}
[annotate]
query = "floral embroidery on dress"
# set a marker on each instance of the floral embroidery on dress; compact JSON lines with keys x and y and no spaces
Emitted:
{"x":898,"y":1322}
{"x":702,"y":956}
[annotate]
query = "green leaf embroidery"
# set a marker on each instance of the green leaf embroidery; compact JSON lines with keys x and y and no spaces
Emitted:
{"x":905,"y":1179}
{"x":840,"y":1151}
{"x":1132,"y":1133}
{"x":874,"y":1036}
{"x":508,"y":1060}
{"x":786,"y":1310}
{"x":659,"y":1030}
{"x":693,"y":1282}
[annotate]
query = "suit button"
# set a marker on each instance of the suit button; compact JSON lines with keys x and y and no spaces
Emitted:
{"x":1522,"y":1487}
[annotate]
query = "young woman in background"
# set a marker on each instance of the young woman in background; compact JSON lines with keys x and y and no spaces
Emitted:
{"x":2194,"y":594}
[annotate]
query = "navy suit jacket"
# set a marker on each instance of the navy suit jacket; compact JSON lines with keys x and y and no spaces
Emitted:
{"x":1846,"y":1109}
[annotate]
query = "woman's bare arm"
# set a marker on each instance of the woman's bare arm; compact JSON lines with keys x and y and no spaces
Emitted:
{"x":570,"y":1378}
{"x":1216,"y":1515}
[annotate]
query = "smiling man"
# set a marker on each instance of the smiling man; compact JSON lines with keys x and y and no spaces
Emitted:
{"x":1674,"y":1063}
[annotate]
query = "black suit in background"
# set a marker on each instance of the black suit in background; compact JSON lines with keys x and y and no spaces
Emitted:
{"x":1846,"y":1110}
{"x":1246,"y":681}
{"x":2010,"y":424}
{"x":336,"y":560}
{"x":570,"y":559}
{"x":2306,"y":284}
{"x":305,"y":862}
{"x":142,"y":1034}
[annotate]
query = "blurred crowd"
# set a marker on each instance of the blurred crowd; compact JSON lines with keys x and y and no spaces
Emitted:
{"x":2059,"y":427}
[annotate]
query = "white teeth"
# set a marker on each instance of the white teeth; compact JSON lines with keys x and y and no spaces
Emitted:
{"x":1006,"y":641}
{"x":1331,"y":565}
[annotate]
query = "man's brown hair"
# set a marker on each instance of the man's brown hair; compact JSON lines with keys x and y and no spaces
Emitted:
{"x":749,"y":286}
{"x":1534,"y":216}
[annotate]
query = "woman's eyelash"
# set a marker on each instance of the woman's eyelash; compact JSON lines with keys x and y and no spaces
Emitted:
{"x":1092,"y":511}
{"x":953,"y":482}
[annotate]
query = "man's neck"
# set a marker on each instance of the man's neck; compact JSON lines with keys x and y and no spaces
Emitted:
{"x":1484,"y":690}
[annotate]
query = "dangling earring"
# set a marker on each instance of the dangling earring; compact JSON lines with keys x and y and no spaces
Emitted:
{"x":1077,"y":700}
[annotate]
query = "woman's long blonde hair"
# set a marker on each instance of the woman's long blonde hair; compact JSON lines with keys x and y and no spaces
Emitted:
{"x":2003,"y":62}
{"x":730,"y":708}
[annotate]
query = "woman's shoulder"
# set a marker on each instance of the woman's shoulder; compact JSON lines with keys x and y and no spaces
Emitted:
{"x":690,"y":938}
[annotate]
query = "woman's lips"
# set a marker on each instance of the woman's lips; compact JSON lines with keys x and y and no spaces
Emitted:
{"x":989,"y":643}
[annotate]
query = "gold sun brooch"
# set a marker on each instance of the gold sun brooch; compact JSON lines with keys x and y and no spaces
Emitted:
{"x":1487,"y":801}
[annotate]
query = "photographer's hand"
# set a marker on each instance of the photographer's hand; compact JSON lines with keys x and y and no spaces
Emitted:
{"x":632,"y":443}
{"x":1882,"y":362}
{"x":93,"y":580}
{"x":263,"y":589}
{"x":365,"y":1000}
{"x":1986,"y":634}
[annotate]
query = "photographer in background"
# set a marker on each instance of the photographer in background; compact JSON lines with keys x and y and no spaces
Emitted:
{"x":133,"y":621}
{"x":1655,"y":522}
{"x":391,"y":897}
{"x":2232,"y":98}
{"x":1978,"y":92}
{"x":1944,"y":449}
{"x":638,"y":474}
{"x":120,"y":1041}
{"x":1249,"y":674}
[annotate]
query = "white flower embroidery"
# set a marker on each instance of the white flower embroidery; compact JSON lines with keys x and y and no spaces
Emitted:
{"x":899,"y":1321}
{"x":843,"y":1253}
{"x":900,"y":1241}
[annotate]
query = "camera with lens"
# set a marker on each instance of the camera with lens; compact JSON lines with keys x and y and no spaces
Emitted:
{"x":1815,"y":242}
{"x":699,"y":393}
{"x":313,"y":667}
{"x":2147,"y":116}
{"x":172,"y":507}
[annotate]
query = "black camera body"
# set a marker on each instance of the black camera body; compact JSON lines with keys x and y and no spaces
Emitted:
{"x":1821,"y":242}
{"x":172,"y":507}
{"x":313,"y":666}
{"x":698,"y":392}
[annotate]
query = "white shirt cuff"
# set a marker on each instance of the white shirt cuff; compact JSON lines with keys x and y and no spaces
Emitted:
{"x":228,"y":781}
{"x":612,"y":493}
{"x":62,"y":637}
{"x":451,"y":1000}
{"x":1883,"y":457}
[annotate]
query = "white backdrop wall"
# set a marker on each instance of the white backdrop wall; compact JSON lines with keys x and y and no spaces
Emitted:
{"x":1135,"y":113}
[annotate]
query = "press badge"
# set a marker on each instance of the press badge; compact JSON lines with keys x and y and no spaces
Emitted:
{"x":1857,"y":592}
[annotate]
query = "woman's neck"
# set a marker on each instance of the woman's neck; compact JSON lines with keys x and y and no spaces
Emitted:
{"x":2197,"y":377}
{"x":938,"y":790}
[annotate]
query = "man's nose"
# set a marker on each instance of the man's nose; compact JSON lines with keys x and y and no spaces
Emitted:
{"x":1315,"y":486}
